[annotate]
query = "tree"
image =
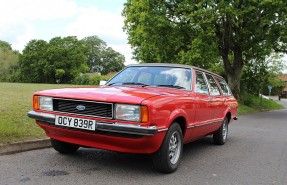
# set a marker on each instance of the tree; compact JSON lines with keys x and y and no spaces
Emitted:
{"x":67,"y":54}
{"x":113,"y":61}
{"x":204,"y":32}
{"x":5,"y":46}
{"x":258,"y":74}
{"x":33,"y":62}
{"x":8,"y":61}
{"x":94,"y":52}
{"x":102,"y":59}
{"x":61,"y":58}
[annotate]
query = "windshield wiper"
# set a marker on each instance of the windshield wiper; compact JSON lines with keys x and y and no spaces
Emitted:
{"x":135,"y":83}
{"x":114,"y":83}
{"x":171,"y":86}
{"x":128,"y":83}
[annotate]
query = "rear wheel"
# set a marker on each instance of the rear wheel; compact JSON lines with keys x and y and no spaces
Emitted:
{"x":167,"y":158}
{"x":220,"y":136}
{"x":63,"y":147}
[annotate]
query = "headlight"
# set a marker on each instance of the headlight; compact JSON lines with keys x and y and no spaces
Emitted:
{"x":131,"y":112}
{"x":43,"y":103}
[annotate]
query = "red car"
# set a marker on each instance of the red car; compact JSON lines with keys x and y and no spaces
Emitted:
{"x":145,"y":108}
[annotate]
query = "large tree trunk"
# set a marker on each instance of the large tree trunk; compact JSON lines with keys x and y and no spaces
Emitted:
{"x":234,"y":83}
{"x":233,"y":71}
{"x":230,"y":50}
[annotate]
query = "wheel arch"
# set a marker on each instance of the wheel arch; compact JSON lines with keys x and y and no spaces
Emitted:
{"x":228,"y":115}
{"x":182,"y":123}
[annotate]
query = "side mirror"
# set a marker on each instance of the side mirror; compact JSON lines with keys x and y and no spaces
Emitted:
{"x":102,"y":82}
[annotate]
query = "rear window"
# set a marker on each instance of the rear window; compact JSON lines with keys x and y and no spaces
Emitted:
{"x":224,"y":87}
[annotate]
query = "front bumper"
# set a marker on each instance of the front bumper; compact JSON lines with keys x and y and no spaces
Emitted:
{"x":103,"y":126}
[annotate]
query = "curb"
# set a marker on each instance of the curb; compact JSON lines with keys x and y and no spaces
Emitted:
{"x":12,"y":148}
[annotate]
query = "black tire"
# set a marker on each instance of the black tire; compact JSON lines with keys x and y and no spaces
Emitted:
{"x":167,"y":158}
{"x":63,"y":147}
{"x":220,"y":136}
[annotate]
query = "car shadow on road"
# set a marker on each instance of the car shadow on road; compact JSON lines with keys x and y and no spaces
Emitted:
{"x":88,"y":160}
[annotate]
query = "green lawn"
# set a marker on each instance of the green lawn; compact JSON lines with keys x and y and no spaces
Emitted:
{"x":15,"y":102}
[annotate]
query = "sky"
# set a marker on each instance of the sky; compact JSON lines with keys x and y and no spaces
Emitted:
{"x":22,"y":21}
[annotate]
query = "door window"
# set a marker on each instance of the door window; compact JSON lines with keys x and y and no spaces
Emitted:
{"x":201,"y":85}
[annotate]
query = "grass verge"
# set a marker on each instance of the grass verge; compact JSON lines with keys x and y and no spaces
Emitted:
{"x":250,"y":103}
{"x":15,"y":102}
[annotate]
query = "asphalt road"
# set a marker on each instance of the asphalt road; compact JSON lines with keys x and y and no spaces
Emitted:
{"x":255,"y":153}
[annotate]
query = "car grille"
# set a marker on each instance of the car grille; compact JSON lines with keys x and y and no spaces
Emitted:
{"x":96,"y":109}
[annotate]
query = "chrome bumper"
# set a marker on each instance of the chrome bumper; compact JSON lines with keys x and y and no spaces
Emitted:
{"x":104,"y":126}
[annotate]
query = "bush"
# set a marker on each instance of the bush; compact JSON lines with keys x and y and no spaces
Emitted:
{"x":253,"y":103}
{"x":247,"y":99}
{"x":91,"y":79}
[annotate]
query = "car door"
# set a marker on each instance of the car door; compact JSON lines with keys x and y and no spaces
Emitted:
{"x":217,"y":102}
{"x":204,"y":113}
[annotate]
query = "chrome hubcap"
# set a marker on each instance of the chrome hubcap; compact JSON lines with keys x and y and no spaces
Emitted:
{"x":174,"y":148}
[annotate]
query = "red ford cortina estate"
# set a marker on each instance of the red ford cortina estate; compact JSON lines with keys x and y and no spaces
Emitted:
{"x":145,"y":108}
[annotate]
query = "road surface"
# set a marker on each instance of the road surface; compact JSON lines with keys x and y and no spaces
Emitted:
{"x":255,"y":153}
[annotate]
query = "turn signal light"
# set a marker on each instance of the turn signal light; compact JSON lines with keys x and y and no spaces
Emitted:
{"x":144,"y":114}
{"x":35,"y":102}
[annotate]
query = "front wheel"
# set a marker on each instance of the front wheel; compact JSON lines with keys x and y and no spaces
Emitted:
{"x":220,"y":136}
{"x":167,"y":158}
{"x":63,"y":147}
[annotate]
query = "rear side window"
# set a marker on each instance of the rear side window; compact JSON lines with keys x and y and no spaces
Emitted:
{"x":224,"y":87}
{"x":201,"y":85}
{"x":214,"y":89}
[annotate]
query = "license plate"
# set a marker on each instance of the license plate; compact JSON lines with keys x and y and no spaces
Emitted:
{"x":79,"y":123}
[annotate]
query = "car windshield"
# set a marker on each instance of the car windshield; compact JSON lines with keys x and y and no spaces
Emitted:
{"x":157,"y":76}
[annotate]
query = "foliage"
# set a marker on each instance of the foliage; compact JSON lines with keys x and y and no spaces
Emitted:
{"x":252,"y":103}
{"x":203,"y":32}
{"x":61,"y":58}
{"x":113,"y":61}
{"x":33,"y":62}
{"x":68,"y":54}
{"x":258,"y":74}
{"x":8,"y":61}
{"x":59,"y":74}
{"x":102,"y":59}
{"x":94,"y":51}
{"x":91,"y":79}
{"x":5,"y":46}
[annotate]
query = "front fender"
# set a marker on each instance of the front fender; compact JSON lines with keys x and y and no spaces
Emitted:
{"x":176,"y":114}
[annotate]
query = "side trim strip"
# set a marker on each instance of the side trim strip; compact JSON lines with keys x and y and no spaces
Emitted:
{"x":204,"y":124}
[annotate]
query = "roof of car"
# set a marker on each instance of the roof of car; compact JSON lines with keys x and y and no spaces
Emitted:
{"x":174,"y":65}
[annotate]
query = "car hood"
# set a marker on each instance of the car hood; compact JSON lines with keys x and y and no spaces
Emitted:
{"x":120,"y":94}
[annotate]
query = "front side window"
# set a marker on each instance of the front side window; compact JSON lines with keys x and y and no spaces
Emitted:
{"x":157,"y":76}
{"x":214,"y":89}
{"x":201,"y":85}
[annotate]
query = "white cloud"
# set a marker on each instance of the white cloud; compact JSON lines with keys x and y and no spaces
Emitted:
{"x":37,"y":10}
{"x":106,"y":25}
{"x":22,"y":21}
{"x":17,"y":23}
{"x":91,"y":21}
